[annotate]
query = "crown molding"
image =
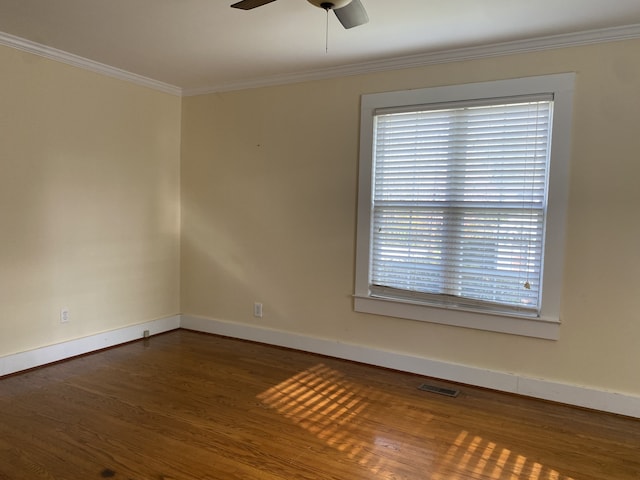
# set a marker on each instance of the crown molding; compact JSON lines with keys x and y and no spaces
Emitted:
{"x":589,"y":37}
{"x":81,"y":62}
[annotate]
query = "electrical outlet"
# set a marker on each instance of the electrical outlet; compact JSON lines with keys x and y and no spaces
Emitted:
{"x":257,"y":310}
{"x":64,"y":315}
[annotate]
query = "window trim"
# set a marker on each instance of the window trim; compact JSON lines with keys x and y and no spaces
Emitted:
{"x":547,"y":325}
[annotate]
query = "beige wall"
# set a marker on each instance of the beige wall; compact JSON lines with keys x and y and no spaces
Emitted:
{"x":269,"y":209}
{"x":89,"y":211}
{"x":89,"y":202}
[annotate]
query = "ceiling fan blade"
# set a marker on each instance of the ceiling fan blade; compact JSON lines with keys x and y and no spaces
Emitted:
{"x":352,"y":15}
{"x":249,"y":4}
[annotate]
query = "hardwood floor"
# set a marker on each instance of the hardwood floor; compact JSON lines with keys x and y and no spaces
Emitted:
{"x":186,"y":405}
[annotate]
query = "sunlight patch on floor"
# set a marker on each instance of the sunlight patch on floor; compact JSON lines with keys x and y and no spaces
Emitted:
{"x":474,"y":457}
{"x":339,"y":412}
{"x":320,"y":401}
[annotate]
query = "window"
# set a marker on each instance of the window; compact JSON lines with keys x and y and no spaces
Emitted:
{"x":462,"y":203}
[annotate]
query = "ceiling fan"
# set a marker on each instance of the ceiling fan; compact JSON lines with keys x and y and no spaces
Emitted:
{"x":350,"y":13}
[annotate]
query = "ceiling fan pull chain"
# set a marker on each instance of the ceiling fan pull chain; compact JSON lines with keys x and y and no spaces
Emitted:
{"x":326,"y":34}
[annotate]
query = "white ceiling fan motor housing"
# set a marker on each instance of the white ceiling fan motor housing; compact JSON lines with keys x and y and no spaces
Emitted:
{"x":335,"y":4}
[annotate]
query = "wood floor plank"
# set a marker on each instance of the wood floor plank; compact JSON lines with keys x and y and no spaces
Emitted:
{"x":186,"y":405}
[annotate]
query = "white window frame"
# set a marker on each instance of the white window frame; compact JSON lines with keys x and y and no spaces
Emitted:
{"x":547,"y":324}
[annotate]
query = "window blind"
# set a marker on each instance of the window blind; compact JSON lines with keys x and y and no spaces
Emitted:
{"x":459,"y":201}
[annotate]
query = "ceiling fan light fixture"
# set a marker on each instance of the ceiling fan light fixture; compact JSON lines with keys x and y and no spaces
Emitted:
{"x":350,"y":13}
{"x":332,"y":5}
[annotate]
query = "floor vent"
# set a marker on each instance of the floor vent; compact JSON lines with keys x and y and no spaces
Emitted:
{"x":439,"y":390}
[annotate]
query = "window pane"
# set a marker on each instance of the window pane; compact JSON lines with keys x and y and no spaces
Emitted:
{"x":459,"y":200}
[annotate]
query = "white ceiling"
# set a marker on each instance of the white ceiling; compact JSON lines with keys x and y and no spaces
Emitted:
{"x":205,"y":44}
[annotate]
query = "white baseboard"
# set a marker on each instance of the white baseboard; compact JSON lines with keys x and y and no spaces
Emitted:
{"x":613,"y":402}
{"x":61,"y":351}
{"x":607,"y":401}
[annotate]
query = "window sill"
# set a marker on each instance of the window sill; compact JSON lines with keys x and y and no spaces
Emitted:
{"x":524,"y":326}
